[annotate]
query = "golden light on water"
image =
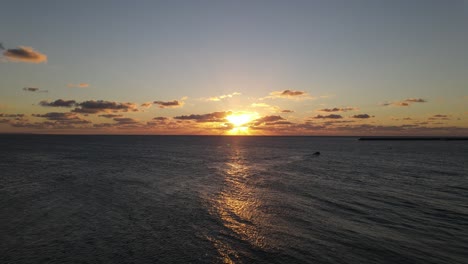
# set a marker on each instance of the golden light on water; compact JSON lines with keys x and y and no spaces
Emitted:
{"x":238,"y":205}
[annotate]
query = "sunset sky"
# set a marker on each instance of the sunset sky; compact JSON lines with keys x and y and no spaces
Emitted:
{"x":234,"y":67}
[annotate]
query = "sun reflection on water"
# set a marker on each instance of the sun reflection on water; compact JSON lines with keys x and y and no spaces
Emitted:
{"x":237,"y":205}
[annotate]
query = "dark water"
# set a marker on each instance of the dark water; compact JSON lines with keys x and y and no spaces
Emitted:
{"x":145,"y":199}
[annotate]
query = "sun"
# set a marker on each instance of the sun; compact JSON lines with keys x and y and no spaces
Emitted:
{"x":239,"y":122}
{"x":239,"y":119}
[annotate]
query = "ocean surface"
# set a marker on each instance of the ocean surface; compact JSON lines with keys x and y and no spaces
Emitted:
{"x":177,"y":199}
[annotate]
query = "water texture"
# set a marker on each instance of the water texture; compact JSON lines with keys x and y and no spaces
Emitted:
{"x":177,"y":199}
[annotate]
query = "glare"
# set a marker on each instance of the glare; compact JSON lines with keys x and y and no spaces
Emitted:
{"x":239,"y":119}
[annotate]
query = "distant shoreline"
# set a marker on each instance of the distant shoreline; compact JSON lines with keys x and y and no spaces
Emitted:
{"x":413,"y":138}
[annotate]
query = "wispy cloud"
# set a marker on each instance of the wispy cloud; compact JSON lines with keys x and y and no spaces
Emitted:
{"x":405,"y":102}
{"x":24,"y":54}
{"x":110,"y":115}
{"x":211,"y":117}
{"x":125,"y":121}
{"x":288,"y":94}
{"x":169,"y":104}
{"x":221,"y":97}
{"x":439,"y":117}
{"x":331,"y":116}
{"x":78,"y":85}
{"x":146,"y":105}
{"x":338,"y":109}
{"x":11,"y":115}
{"x":34,"y":89}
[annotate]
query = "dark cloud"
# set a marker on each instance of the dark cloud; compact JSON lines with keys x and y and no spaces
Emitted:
{"x":406,"y":102}
{"x":93,"y":107}
{"x":160,"y":118}
{"x":110,"y":115}
{"x":363,"y":116}
{"x":287,"y":111}
{"x":292,"y":93}
{"x":211,"y":117}
{"x":24,"y":54}
{"x":34,"y":89}
{"x":336,"y":109}
{"x":288,"y":94}
{"x":267,"y":119}
{"x":278,"y":123}
{"x":415,"y":100}
{"x":169,"y":104}
{"x":58,"y":103}
{"x":69,"y":118}
{"x":125,"y":120}
{"x":331,"y":116}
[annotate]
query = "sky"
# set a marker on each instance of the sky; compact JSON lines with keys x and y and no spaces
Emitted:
{"x":234,"y":67}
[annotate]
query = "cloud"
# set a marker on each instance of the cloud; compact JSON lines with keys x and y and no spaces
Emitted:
{"x":24,"y":54}
{"x":439,"y":117}
{"x":34,"y":89}
{"x":292,"y":93}
{"x":169,"y":104}
{"x":211,"y":117}
{"x":287,"y":111}
{"x":288,"y":94}
{"x":58,"y":103}
{"x":362,"y":116}
{"x":93,"y":107}
{"x":331,"y":116}
{"x":221,"y":97}
{"x":160,"y":118}
{"x":1,"y":46}
{"x":146,"y":105}
{"x":415,"y":100}
{"x":336,"y":109}
{"x":278,"y":123}
{"x":103,"y":125}
{"x":260,"y":105}
{"x":267,"y":119}
{"x":12,"y":115}
{"x":110,"y":115}
{"x":126,"y":121}
{"x":78,"y":85}
{"x":63,"y":118}
{"x":405,"y":102}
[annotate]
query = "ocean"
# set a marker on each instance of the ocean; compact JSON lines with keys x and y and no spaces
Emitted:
{"x":210,"y":199}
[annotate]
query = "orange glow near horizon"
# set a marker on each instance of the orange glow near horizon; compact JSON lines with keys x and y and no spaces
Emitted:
{"x":240,"y":123}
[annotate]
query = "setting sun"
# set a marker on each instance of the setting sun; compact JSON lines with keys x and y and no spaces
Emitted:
{"x":239,"y":120}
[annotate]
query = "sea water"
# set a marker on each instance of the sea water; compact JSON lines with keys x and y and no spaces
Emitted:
{"x":207,"y":199}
